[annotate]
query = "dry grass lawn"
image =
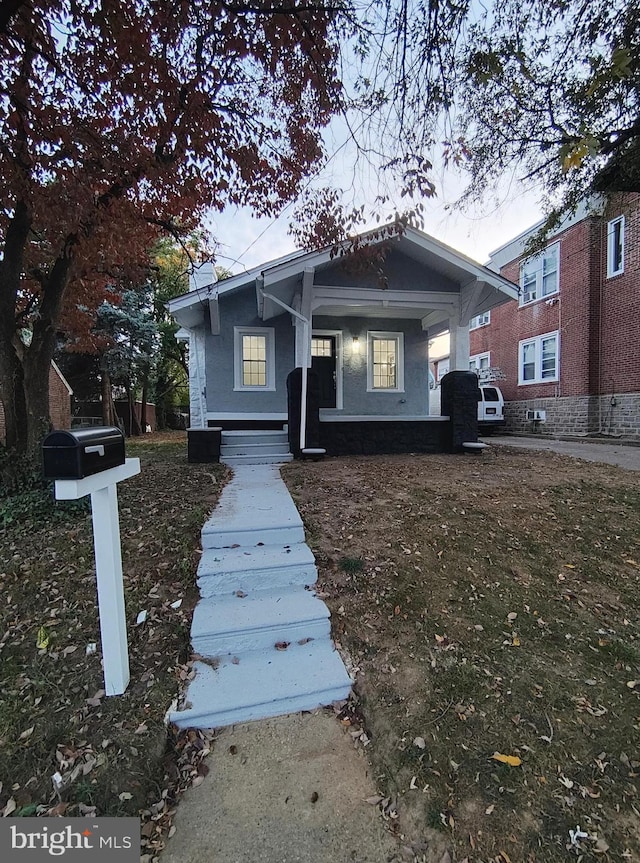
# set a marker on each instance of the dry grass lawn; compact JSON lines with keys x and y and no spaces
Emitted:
{"x":490,"y":608}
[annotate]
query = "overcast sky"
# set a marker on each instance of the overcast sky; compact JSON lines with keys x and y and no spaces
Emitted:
{"x":245,"y":242}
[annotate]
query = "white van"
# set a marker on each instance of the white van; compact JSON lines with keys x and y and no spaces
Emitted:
{"x":490,"y":409}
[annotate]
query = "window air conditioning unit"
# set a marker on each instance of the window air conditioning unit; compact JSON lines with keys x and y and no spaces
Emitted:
{"x":537,"y":416}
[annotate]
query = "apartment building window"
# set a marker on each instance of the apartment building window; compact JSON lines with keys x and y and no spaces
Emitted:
{"x":539,"y":276}
{"x":478,"y":362}
{"x":480,"y":321}
{"x":615,"y":247}
{"x":254,"y":366}
{"x":385,"y":362}
{"x":538,"y":360}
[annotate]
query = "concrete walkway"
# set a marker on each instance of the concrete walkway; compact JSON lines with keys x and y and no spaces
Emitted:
{"x":623,"y":455}
{"x":289,"y":789}
{"x":261,"y":635}
{"x":285,"y":790}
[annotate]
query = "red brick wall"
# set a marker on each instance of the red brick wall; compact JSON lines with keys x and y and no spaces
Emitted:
{"x":59,"y":401}
{"x":620,"y":305}
{"x":598,"y":319}
{"x":59,"y":404}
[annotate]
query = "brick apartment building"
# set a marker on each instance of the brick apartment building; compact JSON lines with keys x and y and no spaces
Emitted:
{"x":570,"y":347}
{"x":59,"y":402}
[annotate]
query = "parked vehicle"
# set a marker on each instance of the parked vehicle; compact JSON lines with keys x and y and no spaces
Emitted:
{"x":490,"y":408}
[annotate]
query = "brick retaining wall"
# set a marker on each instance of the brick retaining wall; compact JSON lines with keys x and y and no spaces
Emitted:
{"x":617,"y":415}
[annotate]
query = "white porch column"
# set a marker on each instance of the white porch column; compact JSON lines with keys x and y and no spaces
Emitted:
{"x":303,"y":327}
{"x":197,"y":379}
{"x":458,"y":343}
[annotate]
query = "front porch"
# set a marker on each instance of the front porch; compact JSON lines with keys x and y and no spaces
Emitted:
{"x":371,"y":435}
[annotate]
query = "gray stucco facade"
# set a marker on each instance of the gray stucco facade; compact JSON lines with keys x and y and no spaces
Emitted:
{"x":239,"y":310}
{"x":376,"y":313}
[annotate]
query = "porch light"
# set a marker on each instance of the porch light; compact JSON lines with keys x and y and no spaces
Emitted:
{"x":355,"y":345}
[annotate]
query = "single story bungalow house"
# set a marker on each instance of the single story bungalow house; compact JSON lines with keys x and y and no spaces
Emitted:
{"x":357,"y":324}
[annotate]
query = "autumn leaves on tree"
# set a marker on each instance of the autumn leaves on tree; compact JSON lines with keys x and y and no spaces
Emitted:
{"x":121,"y":120}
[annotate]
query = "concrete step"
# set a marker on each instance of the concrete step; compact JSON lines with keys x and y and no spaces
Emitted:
{"x":255,"y":508}
{"x":264,"y":683}
{"x":243,"y":623}
{"x":252,"y":449}
{"x":272,"y":458}
{"x":263,"y":567}
{"x":253,"y":437}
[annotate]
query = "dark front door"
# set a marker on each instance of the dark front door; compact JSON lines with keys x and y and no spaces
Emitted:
{"x":323,"y":362}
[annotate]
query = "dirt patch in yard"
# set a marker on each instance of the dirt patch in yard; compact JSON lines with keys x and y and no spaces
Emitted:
{"x":489,"y":605}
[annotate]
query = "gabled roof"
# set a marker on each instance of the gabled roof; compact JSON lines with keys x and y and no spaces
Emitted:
{"x":415,"y":244}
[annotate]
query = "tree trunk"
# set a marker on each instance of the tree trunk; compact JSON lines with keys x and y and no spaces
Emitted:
{"x":134,"y":424}
{"x":143,"y":405}
{"x":109,"y":417}
{"x":11,"y":371}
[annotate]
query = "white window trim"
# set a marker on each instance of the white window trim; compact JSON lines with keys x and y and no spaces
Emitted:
{"x":537,"y":340}
{"x":610,"y":246}
{"x":475,"y":358}
{"x":476,"y":326}
{"x":539,"y":297}
{"x":238,"y":333}
{"x":399,"y":339}
{"x":337,"y":334}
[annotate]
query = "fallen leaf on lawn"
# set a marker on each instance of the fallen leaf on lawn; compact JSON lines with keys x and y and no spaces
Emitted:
{"x":515,"y":641}
{"x":125,"y":795}
{"x":175,"y":605}
{"x":511,"y":760}
{"x":42,"y":640}
{"x":142,"y":616}
{"x":27,"y":734}
{"x":512,"y":615}
{"x":489,"y":809}
{"x":419,"y":742}
{"x":9,"y":808}
{"x":141,"y":729}
{"x":373,"y":801}
{"x":633,"y":683}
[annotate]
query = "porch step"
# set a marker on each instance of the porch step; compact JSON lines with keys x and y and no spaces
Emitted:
{"x":239,"y":624}
{"x":256,"y":511}
{"x":239,"y":460}
{"x":261,"y":684}
{"x":255,"y":436}
{"x":254,"y":447}
{"x":250,"y":569}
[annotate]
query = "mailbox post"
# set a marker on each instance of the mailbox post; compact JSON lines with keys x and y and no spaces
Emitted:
{"x":72,"y":455}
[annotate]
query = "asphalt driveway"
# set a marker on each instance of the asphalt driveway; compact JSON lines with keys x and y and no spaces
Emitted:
{"x":623,"y":455}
